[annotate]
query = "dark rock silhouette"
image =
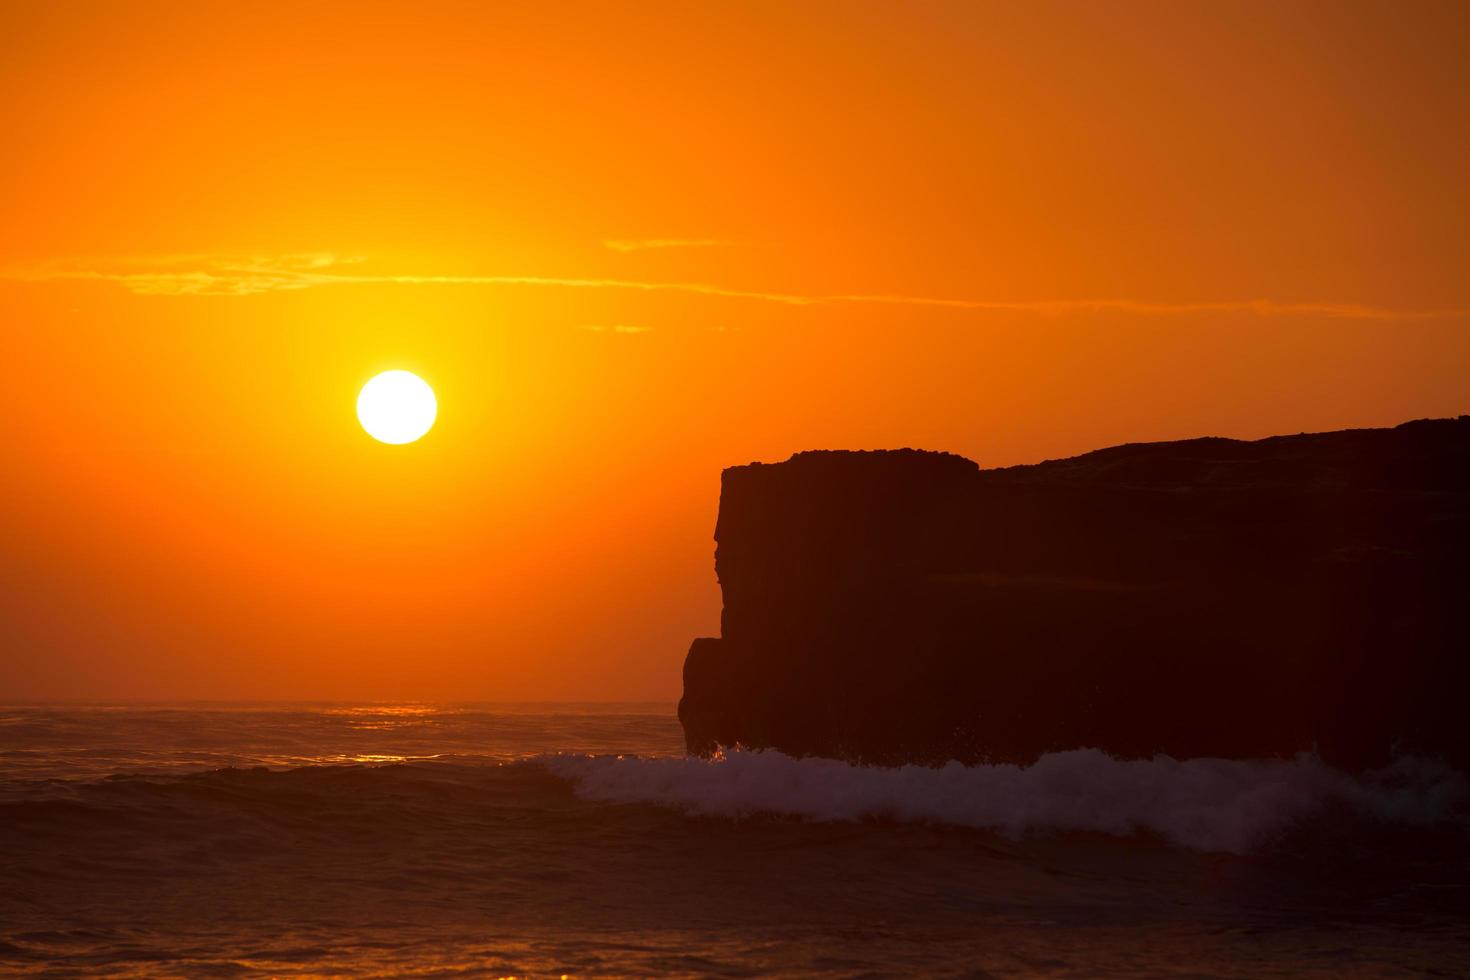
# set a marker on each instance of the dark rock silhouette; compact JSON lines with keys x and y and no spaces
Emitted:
{"x":1200,"y":598}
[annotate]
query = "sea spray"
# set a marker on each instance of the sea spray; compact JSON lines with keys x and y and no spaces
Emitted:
{"x":1205,"y":804}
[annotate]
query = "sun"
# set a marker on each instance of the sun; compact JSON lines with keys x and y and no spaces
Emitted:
{"x":397,"y":407}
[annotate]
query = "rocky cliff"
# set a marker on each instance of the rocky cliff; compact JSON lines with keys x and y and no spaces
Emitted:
{"x":1200,"y":598}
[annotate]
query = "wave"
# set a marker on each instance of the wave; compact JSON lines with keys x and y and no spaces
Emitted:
{"x":1204,"y":804}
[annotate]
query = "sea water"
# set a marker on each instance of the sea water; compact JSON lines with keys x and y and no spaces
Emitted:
{"x":470,"y":839}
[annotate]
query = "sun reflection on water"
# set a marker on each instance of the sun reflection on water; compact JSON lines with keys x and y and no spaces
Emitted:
{"x":386,"y":717}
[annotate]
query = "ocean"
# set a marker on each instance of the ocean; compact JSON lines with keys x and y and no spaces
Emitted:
{"x":229,"y":840}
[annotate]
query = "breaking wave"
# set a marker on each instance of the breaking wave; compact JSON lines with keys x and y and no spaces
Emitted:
{"x":1205,"y":804}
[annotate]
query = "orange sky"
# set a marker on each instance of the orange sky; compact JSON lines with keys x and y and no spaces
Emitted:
{"x":629,"y":245}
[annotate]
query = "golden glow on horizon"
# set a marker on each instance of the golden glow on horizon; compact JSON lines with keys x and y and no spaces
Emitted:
{"x":397,"y":407}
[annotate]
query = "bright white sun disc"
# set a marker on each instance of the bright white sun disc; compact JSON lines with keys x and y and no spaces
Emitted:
{"x":396,"y":407}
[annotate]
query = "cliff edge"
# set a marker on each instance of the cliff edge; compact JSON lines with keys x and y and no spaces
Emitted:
{"x":1208,"y":597}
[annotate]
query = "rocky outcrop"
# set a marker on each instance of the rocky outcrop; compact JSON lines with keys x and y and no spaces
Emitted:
{"x":1200,"y":598}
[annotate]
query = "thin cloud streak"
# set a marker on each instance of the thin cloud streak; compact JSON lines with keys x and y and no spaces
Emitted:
{"x":203,"y":275}
{"x":197,"y":274}
{"x":639,"y":244}
{"x":624,"y":328}
{"x":1257,"y":307}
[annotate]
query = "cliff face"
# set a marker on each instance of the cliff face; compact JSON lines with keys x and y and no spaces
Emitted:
{"x":1199,"y":598}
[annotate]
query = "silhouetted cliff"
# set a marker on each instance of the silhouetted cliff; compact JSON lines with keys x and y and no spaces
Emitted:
{"x":1200,"y":598}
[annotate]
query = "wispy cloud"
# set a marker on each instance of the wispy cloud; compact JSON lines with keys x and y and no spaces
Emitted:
{"x":212,"y":275}
{"x":639,"y":244}
{"x":198,"y":274}
{"x":1255,"y":307}
{"x":615,"y":328}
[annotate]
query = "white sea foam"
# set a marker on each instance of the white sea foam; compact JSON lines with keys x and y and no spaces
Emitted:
{"x":1206,"y":804}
